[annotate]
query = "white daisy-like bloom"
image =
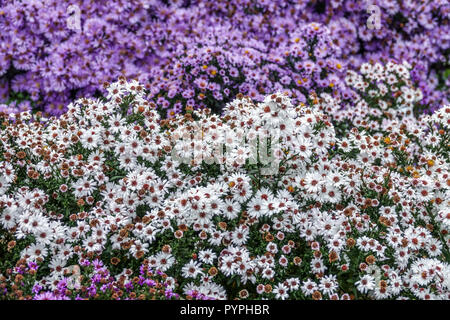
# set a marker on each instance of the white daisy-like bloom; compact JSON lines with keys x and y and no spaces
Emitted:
{"x":365,"y":284}
{"x":209,"y":289}
{"x":192,"y":269}
{"x":207,"y":256}
{"x":231,"y":209}
{"x":35,"y":251}
{"x":308,"y":287}
{"x":240,"y":235}
{"x":281,"y":291}
{"x":328,"y":284}
{"x":164,"y":261}
{"x":293,"y":283}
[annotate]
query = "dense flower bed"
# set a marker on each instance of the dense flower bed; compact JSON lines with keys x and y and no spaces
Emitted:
{"x":270,"y":200}
{"x":258,"y":150}
{"x":45,"y":63}
{"x":92,"y":281}
{"x":215,"y":71}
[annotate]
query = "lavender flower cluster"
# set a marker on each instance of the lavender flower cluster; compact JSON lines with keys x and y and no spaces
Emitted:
{"x":91,"y":280}
{"x":201,"y":53}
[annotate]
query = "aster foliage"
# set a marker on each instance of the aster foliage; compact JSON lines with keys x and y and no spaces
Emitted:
{"x":268,"y":200}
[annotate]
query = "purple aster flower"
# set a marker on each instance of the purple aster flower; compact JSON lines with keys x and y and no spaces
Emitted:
{"x":85,"y":263}
{"x":36,"y":289}
{"x":32,"y":265}
{"x":48,"y":296}
{"x":129,"y":286}
{"x":97,"y":264}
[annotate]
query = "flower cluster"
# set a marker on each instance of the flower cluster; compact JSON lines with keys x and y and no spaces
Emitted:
{"x":266,"y":201}
{"x":413,"y":31}
{"x":91,"y":280}
{"x":45,"y":62}
{"x":209,"y":74}
{"x":214,"y":71}
{"x":377,"y":98}
{"x":307,"y":63}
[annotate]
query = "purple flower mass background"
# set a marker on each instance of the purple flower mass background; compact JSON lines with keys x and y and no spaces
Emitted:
{"x":45,"y":64}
